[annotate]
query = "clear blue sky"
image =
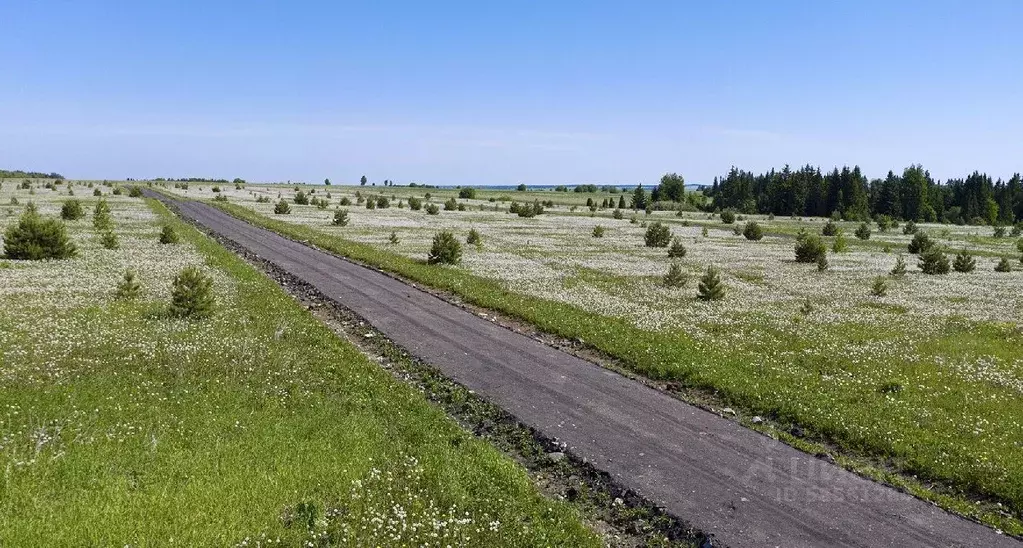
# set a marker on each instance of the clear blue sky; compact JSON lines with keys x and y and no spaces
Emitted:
{"x":501,"y":93}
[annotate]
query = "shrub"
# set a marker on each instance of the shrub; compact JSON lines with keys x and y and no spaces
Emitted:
{"x":371,"y":203}
{"x":262,"y":199}
{"x":677,"y":250}
{"x":168,"y":235}
{"x":117,"y":191}
{"x":909,"y":228}
{"x":899,"y":270}
{"x":474,"y":237}
{"x":1017,"y":230}
{"x":933,"y":261}
{"x":35,"y":238}
{"x":191,"y":294}
{"x":220,"y":198}
{"x":880,"y":287}
{"x":921,"y":243}
{"x":1019,"y":245}
{"x":383,"y":203}
{"x":432,"y":209}
{"x":136,"y":192}
{"x":675,"y":277}
{"x":301,"y":198}
{"x":461,"y":207}
{"x":97,"y":192}
{"x":101,"y":218}
{"x":753,"y":231}
{"x":340,"y":217}
{"x":1003,"y":265}
{"x":598,"y":231}
{"x":109,"y":240}
{"x":467,"y":193}
{"x":393,"y":238}
{"x":657,"y":235}
{"x":345,"y":201}
{"x":129,"y":288}
{"x":737,"y":230}
{"x":445,"y":250}
{"x":964,"y":262}
{"x":282,"y":208}
{"x":839,"y":245}
{"x":822,"y":262}
{"x":999,"y":232}
{"x":450,"y":204}
{"x":830,"y":228}
{"x":809,"y":248}
{"x":617,"y":214}
{"x":711,"y":288}
{"x":415,"y":204}
{"x":863,"y":232}
{"x":728,"y":216}
{"x":704,"y":232}
{"x":884,"y":223}
{"x":72,"y":210}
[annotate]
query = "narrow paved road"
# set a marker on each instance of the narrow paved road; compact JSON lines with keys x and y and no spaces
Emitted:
{"x":745,"y":488}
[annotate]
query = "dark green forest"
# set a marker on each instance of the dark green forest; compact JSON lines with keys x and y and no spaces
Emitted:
{"x":17,"y":174}
{"x":913,"y":195}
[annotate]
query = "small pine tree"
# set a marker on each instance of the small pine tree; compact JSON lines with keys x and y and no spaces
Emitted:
{"x":474,"y":237}
{"x":677,"y":250}
{"x":921,"y":243}
{"x":109,"y":240}
{"x":345,"y":201}
{"x":880,"y":287}
{"x":704,"y":232}
{"x":999,"y":232}
{"x":657,"y":235}
{"x":168,"y":235}
{"x":35,"y":238}
{"x":282,"y":208}
{"x":598,"y":231}
{"x":753,"y":231}
{"x":340,"y":217}
{"x":135,"y":192}
{"x":1003,"y":265}
{"x":822,"y":262}
{"x":675,"y":277}
{"x":617,"y":214}
{"x":933,"y":261}
{"x":129,"y":288}
{"x":830,"y":228}
{"x":964,"y":262}
{"x":899,"y":270}
{"x":371,"y":203}
{"x":728,"y":216}
{"x":191,"y":294}
{"x":72,"y":210}
{"x":863,"y":232}
{"x":839,"y":245}
{"x":809,"y":248}
{"x":101,"y":218}
{"x":451,"y":204}
{"x":301,"y":198}
{"x":393,"y":239}
{"x":909,"y":228}
{"x":432,"y":209}
{"x":711,"y":288}
{"x":445,"y":250}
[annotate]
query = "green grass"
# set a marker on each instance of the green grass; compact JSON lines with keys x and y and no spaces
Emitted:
{"x":121,"y":426}
{"x":782,"y":372}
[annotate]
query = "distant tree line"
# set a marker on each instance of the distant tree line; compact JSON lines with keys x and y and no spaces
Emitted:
{"x":194,"y":180}
{"x":18,"y":174}
{"x":914,"y":195}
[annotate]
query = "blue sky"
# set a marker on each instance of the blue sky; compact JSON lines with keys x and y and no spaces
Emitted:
{"x":502,"y":93}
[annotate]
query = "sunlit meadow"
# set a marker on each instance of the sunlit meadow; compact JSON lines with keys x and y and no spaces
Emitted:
{"x":257,"y":426}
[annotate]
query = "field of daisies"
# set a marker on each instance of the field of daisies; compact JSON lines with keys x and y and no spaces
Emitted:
{"x":921,"y":374}
{"x":255,"y":426}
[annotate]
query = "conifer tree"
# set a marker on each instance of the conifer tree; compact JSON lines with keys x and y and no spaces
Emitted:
{"x":964,"y":262}
{"x":711,"y":287}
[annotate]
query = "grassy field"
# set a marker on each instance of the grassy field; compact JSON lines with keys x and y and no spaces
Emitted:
{"x":257,"y":426}
{"x":926,"y":379}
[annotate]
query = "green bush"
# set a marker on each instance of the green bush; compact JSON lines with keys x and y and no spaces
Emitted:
{"x":101,"y":217}
{"x":809,"y":248}
{"x":168,"y":235}
{"x":830,"y":228}
{"x":35,"y":238}
{"x":345,"y":201}
{"x":129,"y":288}
{"x":371,"y":203}
{"x":598,"y":231}
{"x":72,"y":210}
{"x":933,"y":261}
{"x":999,"y":232}
{"x":921,"y":243}
{"x":909,"y":228}
{"x":711,"y":288}
{"x":191,"y":294}
{"x":262,"y":199}
{"x":97,"y":192}
{"x":220,"y":198}
{"x":432,"y":209}
{"x":964,"y":262}
{"x":863,"y":232}
{"x":675,"y":277}
{"x":136,"y":192}
{"x":657,"y":235}
{"x":753,"y":231}
{"x":451,"y":204}
{"x":677,"y":250}
{"x":340,"y":217}
{"x":879,"y":287}
{"x":393,"y":238}
{"x":383,"y":203}
{"x":474,"y":237}
{"x":728,"y":216}
{"x":282,"y":208}
{"x":109,"y":240}
{"x":899,"y":270}
{"x":467,"y":193}
{"x":301,"y":198}
{"x":617,"y":214}
{"x":884,"y":223}
{"x":1003,"y":265}
{"x":822,"y":262}
{"x":839,"y":245}
{"x":415,"y":204}
{"x":445,"y":249}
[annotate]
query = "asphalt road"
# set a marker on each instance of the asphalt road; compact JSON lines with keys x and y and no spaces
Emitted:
{"x":744,"y":488}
